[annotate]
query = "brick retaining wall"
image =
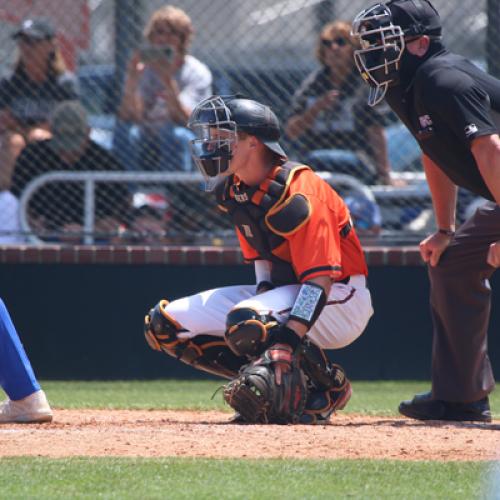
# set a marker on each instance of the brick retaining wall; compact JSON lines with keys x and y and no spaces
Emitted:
{"x":172,"y":255}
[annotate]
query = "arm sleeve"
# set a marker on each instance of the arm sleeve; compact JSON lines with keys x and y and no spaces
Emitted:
{"x":249,"y":253}
{"x":463,"y":105}
{"x":262,"y":270}
{"x":315,"y":247}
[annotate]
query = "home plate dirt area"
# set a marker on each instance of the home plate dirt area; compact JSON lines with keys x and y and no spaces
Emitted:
{"x":210,"y":434}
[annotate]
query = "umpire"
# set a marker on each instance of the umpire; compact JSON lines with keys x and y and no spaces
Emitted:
{"x":451,"y":108}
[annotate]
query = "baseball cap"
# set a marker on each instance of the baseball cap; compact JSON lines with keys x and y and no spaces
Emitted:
{"x":259,"y":120}
{"x":415,"y":17}
{"x":69,"y":126}
{"x":36,"y":28}
{"x":151,"y":203}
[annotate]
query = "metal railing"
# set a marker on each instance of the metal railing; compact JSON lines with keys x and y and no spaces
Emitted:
{"x":90,"y":179}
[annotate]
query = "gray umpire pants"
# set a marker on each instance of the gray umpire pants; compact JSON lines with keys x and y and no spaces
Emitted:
{"x":460,"y":308}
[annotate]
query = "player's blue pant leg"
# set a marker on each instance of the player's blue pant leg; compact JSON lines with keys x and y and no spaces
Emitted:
{"x":16,"y":374}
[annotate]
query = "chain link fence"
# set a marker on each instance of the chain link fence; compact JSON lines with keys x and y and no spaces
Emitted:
{"x":138,"y":68}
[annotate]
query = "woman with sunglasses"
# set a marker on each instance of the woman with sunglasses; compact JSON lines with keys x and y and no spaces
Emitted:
{"x":163,"y":84}
{"x":38,"y":82}
{"x":330,"y":123}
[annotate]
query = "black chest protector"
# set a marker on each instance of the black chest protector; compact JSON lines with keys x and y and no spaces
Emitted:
{"x":256,"y":212}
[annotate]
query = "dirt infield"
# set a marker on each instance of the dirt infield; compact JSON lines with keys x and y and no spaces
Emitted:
{"x":210,"y":434}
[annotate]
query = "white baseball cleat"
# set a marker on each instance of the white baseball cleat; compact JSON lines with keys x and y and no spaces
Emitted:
{"x":31,"y":409}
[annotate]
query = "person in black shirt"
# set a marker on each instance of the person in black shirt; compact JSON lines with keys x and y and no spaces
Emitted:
{"x":39,"y":81}
{"x":329,"y":113}
{"x":57,"y":208}
{"x":451,"y":107}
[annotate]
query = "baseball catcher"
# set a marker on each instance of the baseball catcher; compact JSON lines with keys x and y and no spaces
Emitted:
{"x":269,"y":338}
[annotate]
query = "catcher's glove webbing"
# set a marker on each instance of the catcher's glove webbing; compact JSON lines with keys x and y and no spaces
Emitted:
{"x":272,"y":389}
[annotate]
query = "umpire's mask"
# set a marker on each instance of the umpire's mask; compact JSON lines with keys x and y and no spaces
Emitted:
{"x":382,"y":46}
{"x":382,"y":30}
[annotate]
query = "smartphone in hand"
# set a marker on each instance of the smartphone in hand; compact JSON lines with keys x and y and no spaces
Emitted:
{"x":149,"y":53}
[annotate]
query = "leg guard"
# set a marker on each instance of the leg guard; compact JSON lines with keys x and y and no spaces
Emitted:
{"x":204,"y":352}
{"x":160,"y":329}
{"x":330,"y":390}
{"x":247,"y":331}
{"x":323,"y":374}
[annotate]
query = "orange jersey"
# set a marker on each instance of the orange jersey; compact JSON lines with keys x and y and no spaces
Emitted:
{"x":321,"y":244}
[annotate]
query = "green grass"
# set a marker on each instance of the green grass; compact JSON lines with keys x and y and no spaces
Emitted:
{"x":122,"y":478}
{"x":371,"y":398}
{"x":235,"y":479}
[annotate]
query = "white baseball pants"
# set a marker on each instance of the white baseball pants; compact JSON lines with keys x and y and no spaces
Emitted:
{"x":342,"y":320}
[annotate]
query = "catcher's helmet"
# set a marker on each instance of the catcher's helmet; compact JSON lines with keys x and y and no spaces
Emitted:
{"x":211,"y":149}
{"x":383,"y":29}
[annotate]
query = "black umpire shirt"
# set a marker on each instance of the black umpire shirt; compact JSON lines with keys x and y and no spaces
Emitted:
{"x":450,"y":102}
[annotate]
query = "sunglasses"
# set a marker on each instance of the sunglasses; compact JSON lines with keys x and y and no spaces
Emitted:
{"x":340,"y":41}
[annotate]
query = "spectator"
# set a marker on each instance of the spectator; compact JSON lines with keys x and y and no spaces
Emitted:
{"x":10,"y":227}
{"x":330,"y":122}
{"x":27,"y":97}
{"x":59,"y":207}
{"x":163,"y":84}
{"x":365,"y":214}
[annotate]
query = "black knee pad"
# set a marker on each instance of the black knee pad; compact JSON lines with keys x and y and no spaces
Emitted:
{"x":160,"y":329}
{"x":247,"y":331}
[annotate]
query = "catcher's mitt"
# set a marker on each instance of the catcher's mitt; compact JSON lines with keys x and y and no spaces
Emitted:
{"x":272,"y":389}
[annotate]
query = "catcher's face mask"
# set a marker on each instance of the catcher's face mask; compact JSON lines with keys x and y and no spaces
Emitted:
{"x":215,"y":136}
{"x":382,"y":45}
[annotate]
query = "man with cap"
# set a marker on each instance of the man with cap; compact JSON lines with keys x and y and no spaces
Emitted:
{"x":38,"y":82}
{"x":452,"y":108}
{"x":56,"y":210}
{"x":310,"y":292}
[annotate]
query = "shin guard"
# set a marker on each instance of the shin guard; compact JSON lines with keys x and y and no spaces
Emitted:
{"x":204,"y":352}
{"x":330,"y":390}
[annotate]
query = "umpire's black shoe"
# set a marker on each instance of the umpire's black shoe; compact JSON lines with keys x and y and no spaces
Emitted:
{"x":423,"y":407}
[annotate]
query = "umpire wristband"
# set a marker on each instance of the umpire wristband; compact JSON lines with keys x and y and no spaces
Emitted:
{"x":447,"y":232}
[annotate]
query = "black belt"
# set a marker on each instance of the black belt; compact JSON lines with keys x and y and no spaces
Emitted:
{"x":345,"y":281}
